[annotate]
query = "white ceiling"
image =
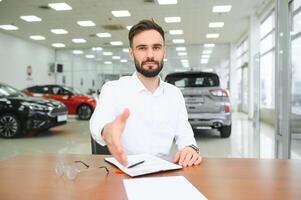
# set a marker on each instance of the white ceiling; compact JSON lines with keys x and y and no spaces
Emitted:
{"x":195,"y":16}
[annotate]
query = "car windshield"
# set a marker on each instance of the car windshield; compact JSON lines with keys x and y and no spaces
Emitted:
{"x":74,"y":91}
{"x":6,"y":91}
{"x":193,"y":80}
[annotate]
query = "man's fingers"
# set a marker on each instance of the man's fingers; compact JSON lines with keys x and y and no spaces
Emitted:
{"x":124,"y":116}
{"x":198,"y":161}
{"x":122,"y":158}
{"x":177,"y":157}
{"x":188,"y":157}
{"x":182,"y":157}
{"x":193,"y":159}
{"x":119,"y":155}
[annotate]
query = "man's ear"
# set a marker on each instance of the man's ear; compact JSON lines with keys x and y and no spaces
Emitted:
{"x":131,"y":53}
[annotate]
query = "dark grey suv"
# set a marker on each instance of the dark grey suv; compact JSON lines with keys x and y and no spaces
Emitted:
{"x":207,"y":104}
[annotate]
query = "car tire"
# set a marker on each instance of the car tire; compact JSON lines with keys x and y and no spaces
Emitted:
{"x":225,"y":131}
{"x":10,"y":126}
{"x":84,"y":112}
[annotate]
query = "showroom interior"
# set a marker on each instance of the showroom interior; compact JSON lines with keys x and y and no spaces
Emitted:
{"x":252,"y":45}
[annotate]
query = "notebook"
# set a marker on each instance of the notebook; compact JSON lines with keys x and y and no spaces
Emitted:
{"x":149,"y":164}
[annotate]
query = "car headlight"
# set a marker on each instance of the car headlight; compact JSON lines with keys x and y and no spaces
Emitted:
{"x":38,"y":107}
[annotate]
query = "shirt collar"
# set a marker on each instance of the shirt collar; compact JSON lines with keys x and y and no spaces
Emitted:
{"x":139,"y":87}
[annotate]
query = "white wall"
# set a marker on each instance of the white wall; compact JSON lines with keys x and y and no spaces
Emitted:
{"x":16,"y":54}
{"x":78,"y":68}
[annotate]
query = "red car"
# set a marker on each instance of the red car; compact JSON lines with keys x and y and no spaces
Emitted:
{"x":76,"y":102}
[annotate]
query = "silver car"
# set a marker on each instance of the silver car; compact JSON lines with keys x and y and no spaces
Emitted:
{"x":207,"y":104}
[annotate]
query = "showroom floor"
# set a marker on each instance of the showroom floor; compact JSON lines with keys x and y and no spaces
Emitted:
{"x":74,"y":137}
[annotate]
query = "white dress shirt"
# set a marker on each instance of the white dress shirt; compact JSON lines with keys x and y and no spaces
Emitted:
{"x":155,"y":119}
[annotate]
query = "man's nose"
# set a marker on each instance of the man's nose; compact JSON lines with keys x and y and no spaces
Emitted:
{"x":150,"y":53}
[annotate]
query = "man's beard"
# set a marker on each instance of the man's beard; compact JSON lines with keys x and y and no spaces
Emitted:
{"x":149,"y":72}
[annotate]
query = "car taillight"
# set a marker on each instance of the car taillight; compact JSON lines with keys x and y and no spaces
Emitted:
{"x":219,"y":93}
{"x":227,"y":108}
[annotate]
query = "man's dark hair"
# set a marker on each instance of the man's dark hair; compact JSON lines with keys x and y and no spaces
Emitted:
{"x":144,"y":25}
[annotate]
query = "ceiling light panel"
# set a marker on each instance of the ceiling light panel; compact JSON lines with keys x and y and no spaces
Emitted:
{"x":209,"y":45}
{"x":207,"y":52}
{"x":125,"y":50}
{"x":176,"y":32}
{"x":216,"y":24}
{"x":31,"y":18}
{"x":129,"y":27}
{"x":204,"y":61}
{"x":60,"y":6}
{"x":121,"y":13}
{"x":59,"y":31}
{"x":89,"y":56}
{"x":167,"y":2}
{"x":107,"y":53}
{"x":180,"y":48}
{"x":78,"y":40}
{"x":172,"y":19}
{"x":96,"y":49}
{"x":212,"y":35}
{"x":77,"y":52}
{"x":116,"y":43}
{"x":178,"y":41}
{"x":123,"y":60}
{"x":115,"y":57}
{"x":206,"y":56}
{"x":182,"y":53}
{"x":104,"y":35}
{"x":108,"y":62}
{"x":37,"y":37}
{"x":86,"y":23}
{"x":58,"y":45}
{"x":9,"y":27}
{"x":221,"y":9}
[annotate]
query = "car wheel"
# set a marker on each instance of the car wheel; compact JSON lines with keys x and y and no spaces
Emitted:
{"x":84,"y":112}
{"x":10,"y":125}
{"x":225,"y":131}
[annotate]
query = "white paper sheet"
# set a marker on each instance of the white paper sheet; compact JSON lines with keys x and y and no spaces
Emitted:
{"x":169,"y":187}
{"x":151,"y":164}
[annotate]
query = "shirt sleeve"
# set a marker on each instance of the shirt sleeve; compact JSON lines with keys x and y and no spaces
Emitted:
{"x":104,"y":112}
{"x":184,"y":133}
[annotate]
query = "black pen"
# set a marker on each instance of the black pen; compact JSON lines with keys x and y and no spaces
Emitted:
{"x":138,"y":163}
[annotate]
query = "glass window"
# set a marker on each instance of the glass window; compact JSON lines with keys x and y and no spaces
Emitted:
{"x":246,"y":57}
{"x":193,"y":80}
{"x":245,"y":46}
{"x":297,"y":4}
{"x":239,"y":85}
{"x":267,"y":43}
{"x":267,"y":80}
{"x":239,"y":51}
{"x":239,"y":62}
{"x":297,"y":23}
{"x":267,"y":26}
{"x":267,"y":63}
{"x":245,"y":89}
{"x":296,"y":76}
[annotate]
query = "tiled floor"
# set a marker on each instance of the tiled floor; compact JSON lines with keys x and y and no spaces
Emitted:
{"x":74,"y":137}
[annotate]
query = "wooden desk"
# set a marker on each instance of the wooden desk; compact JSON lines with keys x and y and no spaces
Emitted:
{"x":33,"y":177}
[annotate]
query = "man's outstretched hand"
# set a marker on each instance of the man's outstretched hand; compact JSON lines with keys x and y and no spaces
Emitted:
{"x":112,"y":136}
